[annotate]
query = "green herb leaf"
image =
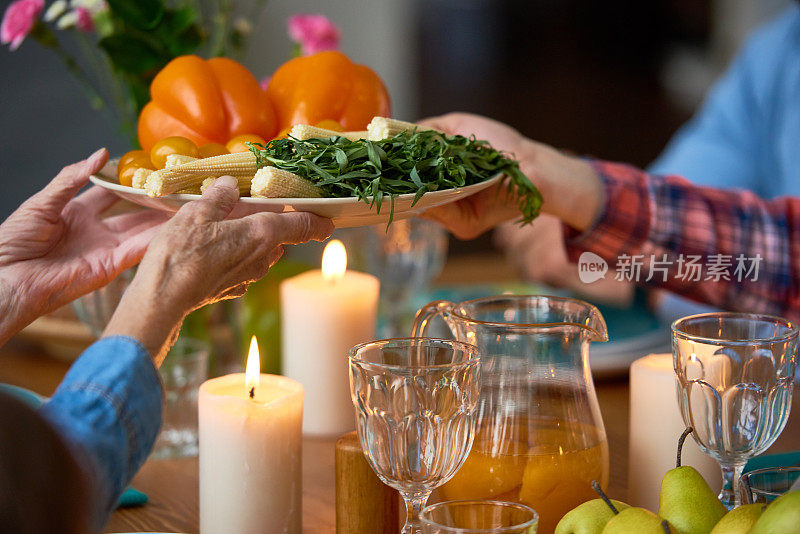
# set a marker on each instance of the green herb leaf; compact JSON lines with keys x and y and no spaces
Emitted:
{"x":131,"y":54}
{"x":416,"y":162}
{"x":141,"y":14}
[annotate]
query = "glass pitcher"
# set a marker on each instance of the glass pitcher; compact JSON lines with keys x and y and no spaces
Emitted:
{"x":539,"y":438}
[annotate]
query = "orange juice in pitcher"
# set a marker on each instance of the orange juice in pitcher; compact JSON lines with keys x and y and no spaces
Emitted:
{"x":539,"y":438}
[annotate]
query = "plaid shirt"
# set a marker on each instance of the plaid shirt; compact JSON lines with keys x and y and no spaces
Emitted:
{"x":730,"y":249}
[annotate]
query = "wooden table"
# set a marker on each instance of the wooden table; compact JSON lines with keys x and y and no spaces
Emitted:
{"x":172,"y":485}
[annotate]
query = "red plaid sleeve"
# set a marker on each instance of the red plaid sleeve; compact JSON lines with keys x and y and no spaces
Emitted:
{"x":729,"y":249}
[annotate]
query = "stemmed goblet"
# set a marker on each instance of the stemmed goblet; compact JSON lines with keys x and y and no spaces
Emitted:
{"x":734,"y":374}
{"x":415,"y":401}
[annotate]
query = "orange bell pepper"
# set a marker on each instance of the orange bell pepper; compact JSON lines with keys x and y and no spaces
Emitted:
{"x":327,"y":85}
{"x":207,"y":101}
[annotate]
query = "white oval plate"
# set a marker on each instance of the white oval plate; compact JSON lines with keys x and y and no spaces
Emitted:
{"x":344,"y":212}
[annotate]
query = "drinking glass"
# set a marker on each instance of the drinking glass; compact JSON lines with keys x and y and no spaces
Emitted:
{"x":406,"y":256}
{"x":183,"y":370}
{"x":96,"y":308}
{"x":415,"y":401}
{"x":766,"y":485}
{"x":478,"y":517}
{"x":734,"y":374}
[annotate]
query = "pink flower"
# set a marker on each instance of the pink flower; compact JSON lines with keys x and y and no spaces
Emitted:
{"x":18,"y":21}
{"x":84,"y":21}
{"x":265,"y":82}
{"x":314,"y":33}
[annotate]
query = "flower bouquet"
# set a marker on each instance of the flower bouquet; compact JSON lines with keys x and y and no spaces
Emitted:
{"x":114,"y":48}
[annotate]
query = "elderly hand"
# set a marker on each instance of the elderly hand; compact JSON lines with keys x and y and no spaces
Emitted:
{"x":56,"y":247}
{"x":199,"y":257}
{"x":570,"y":188}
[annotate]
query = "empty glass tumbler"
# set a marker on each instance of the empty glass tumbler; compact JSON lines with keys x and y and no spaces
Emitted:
{"x":183,"y":370}
{"x":478,"y":517}
{"x":734,"y":373}
{"x":766,"y":485}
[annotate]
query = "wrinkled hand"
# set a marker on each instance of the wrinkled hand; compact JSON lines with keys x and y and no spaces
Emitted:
{"x":200,"y":257}
{"x":56,"y":247}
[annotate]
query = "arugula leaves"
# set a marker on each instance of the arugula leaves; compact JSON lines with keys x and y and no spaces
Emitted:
{"x":411,"y":162}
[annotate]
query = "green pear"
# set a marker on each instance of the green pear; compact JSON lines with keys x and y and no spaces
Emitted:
{"x":782,"y":516}
{"x":638,"y":520}
{"x":589,"y":517}
{"x":686,"y":500}
{"x":739,"y":520}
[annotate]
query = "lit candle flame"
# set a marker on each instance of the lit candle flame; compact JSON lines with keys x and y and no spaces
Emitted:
{"x":252,"y":370}
{"x":334,"y":261}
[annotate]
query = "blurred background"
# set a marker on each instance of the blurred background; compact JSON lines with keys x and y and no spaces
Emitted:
{"x":613,"y":79}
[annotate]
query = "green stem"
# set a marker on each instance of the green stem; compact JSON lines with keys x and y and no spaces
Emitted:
{"x":253,"y":17}
{"x":219,"y":32}
{"x":47,"y":39}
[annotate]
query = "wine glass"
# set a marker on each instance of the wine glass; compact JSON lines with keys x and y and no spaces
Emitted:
{"x":478,"y":517}
{"x":734,"y":374}
{"x":415,"y":401}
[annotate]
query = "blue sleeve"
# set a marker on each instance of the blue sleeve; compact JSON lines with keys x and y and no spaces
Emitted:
{"x":108,"y":409}
{"x":730,"y":142}
{"x":727,"y":143}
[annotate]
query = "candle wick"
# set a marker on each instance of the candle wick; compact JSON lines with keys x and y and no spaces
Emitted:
{"x":253,"y":392}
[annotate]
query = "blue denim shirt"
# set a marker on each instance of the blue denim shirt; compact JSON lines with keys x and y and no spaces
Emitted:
{"x":108,"y":410}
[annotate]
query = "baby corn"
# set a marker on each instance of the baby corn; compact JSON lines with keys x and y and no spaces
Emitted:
{"x":383,"y":128}
{"x":244,"y":184}
{"x":140,"y":177}
{"x":304,"y":131}
{"x":193,"y":190}
{"x":270,"y":182}
{"x":172,"y":179}
{"x":173,"y":160}
{"x":356,"y":135}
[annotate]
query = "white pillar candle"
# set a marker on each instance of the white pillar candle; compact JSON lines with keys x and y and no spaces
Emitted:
{"x":250,"y":453}
{"x":655,"y":426}
{"x":323,"y":314}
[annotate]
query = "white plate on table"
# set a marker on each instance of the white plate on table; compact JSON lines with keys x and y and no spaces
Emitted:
{"x":345,"y":212}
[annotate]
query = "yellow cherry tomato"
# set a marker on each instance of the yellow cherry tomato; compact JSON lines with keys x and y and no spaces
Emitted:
{"x":125,"y":174}
{"x":212,"y":149}
{"x":138,"y":157}
{"x":127,"y":165}
{"x":172,"y":145}
{"x":330,"y":124}
{"x":237,"y":144}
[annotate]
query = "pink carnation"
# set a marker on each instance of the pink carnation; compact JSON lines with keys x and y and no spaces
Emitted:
{"x":84,"y":21}
{"x":18,"y":21}
{"x":314,"y":33}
